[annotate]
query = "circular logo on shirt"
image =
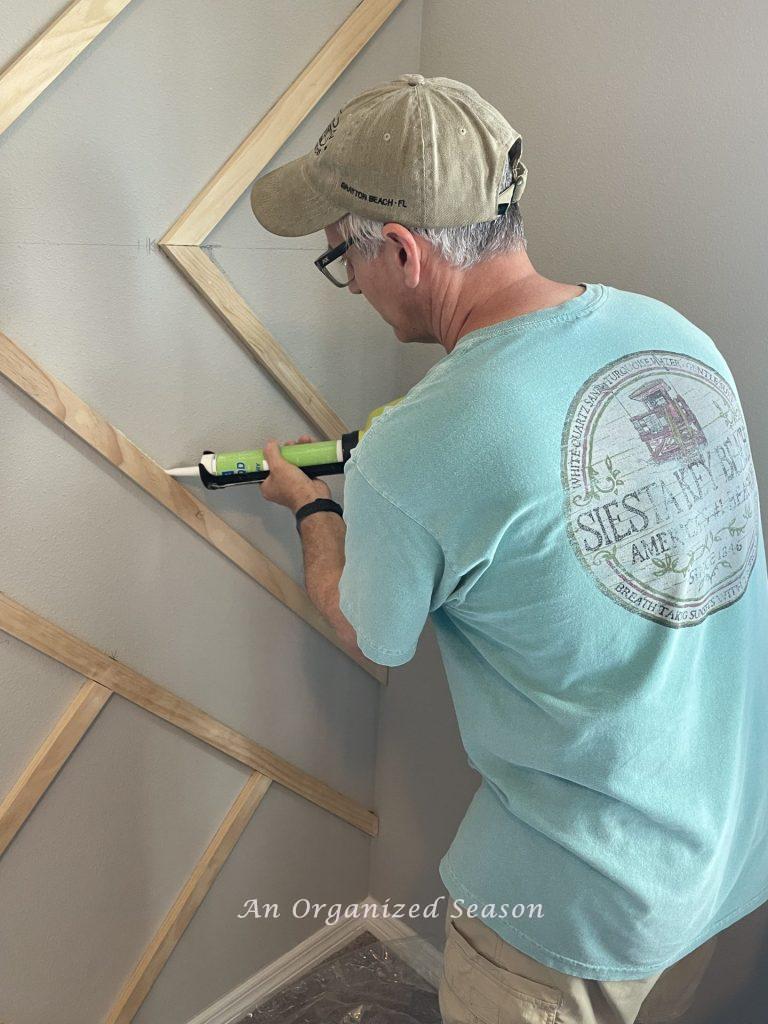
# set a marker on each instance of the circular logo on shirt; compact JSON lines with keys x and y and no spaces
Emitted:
{"x":660,"y":490}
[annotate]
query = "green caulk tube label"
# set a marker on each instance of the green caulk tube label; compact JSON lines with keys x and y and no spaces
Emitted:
{"x":316,"y":453}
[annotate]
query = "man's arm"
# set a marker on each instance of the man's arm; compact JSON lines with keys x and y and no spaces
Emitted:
{"x":322,"y":538}
{"x":386,"y":569}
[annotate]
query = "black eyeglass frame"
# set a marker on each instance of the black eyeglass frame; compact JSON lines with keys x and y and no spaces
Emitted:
{"x":329,"y":256}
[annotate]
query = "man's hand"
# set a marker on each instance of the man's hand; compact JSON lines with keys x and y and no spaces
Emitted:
{"x":287,"y":484}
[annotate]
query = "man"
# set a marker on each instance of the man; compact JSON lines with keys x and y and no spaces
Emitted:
{"x":569,"y":494}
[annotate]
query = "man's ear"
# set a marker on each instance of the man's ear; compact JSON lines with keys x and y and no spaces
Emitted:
{"x":407,"y":252}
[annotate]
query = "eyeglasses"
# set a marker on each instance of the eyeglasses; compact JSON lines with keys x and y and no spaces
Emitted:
{"x":341,"y":273}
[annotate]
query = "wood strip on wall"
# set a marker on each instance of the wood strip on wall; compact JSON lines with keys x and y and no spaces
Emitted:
{"x":48,"y":638}
{"x":254,"y":153}
{"x":54,"y":49}
{"x":69,"y":409}
{"x":50,"y":758}
{"x":211,"y":283}
{"x":137,"y":986}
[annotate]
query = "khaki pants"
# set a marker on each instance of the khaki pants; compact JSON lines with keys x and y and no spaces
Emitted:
{"x":487,"y":981}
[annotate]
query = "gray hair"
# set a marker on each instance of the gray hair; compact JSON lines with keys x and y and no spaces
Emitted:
{"x":461,"y":247}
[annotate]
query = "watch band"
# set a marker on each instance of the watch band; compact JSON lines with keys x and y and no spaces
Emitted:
{"x":318,"y":505}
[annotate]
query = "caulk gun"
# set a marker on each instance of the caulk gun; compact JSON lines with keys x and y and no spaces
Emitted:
{"x":317,"y":458}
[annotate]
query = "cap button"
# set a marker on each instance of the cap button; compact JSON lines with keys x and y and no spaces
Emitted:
{"x":414,"y":79}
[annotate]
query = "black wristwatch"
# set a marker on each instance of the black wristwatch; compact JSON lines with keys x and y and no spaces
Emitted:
{"x":318,"y":505}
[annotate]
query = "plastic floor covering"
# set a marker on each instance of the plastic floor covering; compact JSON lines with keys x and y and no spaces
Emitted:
{"x":365,"y":982}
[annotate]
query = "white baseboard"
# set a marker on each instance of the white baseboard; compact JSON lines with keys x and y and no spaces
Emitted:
{"x":416,"y":952}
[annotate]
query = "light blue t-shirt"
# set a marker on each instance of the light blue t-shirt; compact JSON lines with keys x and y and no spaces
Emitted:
{"x":570,"y":495}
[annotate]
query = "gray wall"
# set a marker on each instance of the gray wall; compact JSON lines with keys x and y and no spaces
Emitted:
{"x":643,"y":131}
{"x":639,"y":127}
{"x":93,"y":173}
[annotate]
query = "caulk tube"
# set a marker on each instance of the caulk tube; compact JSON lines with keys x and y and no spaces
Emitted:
{"x":317,"y":458}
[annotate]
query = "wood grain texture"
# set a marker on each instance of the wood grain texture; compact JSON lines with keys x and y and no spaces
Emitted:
{"x":54,"y":49}
{"x":21,"y":83}
{"x":50,"y":758}
{"x":137,"y":986}
{"x":48,"y":638}
{"x":69,"y":409}
{"x":211,"y":283}
{"x":254,"y":153}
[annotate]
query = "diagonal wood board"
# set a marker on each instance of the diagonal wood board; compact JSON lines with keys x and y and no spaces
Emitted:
{"x":21,"y":82}
{"x":50,"y":52}
{"x":68,"y":408}
{"x":48,"y":638}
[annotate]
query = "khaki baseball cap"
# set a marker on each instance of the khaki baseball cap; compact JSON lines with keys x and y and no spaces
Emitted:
{"x":423,"y":152}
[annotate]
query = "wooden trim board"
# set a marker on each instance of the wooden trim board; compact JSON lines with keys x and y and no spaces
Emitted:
{"x":137,"y":986}
{"x":61,"y":402}
{"x":21,"y":82}
{"x":50,"y":759}
{"x":49,"y":53}
{"x":182,"y":241}
{"x":220,"y":294}
{"x":48,"y":638}
{"x":218,"y":197}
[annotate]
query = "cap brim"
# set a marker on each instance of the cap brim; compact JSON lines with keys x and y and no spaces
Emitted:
{"x":285,"y":203}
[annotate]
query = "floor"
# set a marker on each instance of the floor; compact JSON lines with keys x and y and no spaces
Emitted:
{"x":362,"y":983}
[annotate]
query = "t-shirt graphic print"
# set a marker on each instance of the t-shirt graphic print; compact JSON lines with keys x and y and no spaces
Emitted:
{"x":660,"y":489}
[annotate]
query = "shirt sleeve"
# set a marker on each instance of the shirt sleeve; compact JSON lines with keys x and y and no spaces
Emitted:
{"x":394,"y":573}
